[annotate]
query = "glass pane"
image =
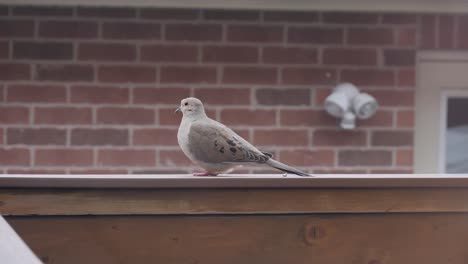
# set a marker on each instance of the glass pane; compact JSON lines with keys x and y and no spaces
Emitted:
{"x":456,"y":159}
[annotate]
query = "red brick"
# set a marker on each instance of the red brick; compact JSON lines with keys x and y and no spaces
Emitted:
{"x":4,"y":10}
{"x":405,"y":118}
{"x":308,"y":157}
{"x":427,"y":32}
{"x":2,"y":136}
{"x":42,"y":50}
{"x":99,"y":137}
{"x":399,"y":18}
{"x":394,"y":98}
{"x":168,"y":117}
{"x":446,"y":31}
{"x":95,"y":94}
{"x":236,"y":117}
{"x":169,"y":53}
{"x":350,"y":18}
{"x":291,"y":96}
{"x":14,"y":115}
{"x":330,"y":137}
{"x":404,"y":157}
{"x":62,"y":115}
{"x":306,"y":118}
{"x":281,"y":137}
{"x":315,"y":35}
{"x":173,"y":158}
{"x":254,"y":33}
{"x":223,"y":96}
{"x":14,"y":71}
{"x":339,"y":171}
{"x":106,"y":52}
{"x":364,"y":158}
{"x":291,"y":55}
{"x":68,"y":29}
{"x":36,"y":171}
{"x":114,"y":115}
{"x":290,"y":16}
{"x":131,"y":158}
{"x":169,"y":13}
{"x":2,"y":93}
{"x":391,"y":171}
{"x":230,"y":54}
{"x":308,"y":76}
{"x":16,"y":28}
{"x":191,"y":75}
{"x":14,"y":157}
{"x":233,"y":15}
{"x":41,"y":11}
{"x":392,"y":138}
{"x":131,"y":30}
{"x":63,"y":157}
{"x":370,"y":36}
{"x":99,"y":171}
{"x":193,"y":32}
{"x":155,"y":136}
{"x":249,"y":75}
{"x":462,"y":32}
{"x":244,"y":133}
{"x":160,"y":95}
{"x":29,"y":93}
{"x":106,"y":12}
{"x":370,"y":77}
{"x":4,"y":50}
{"x":350,"y":56}
{"x":127,"y":73}
{"x":399,"y":57}
{"x":321,"y":94}
{"x":382,"y":118}
{"x":406,"y":36}
{"x":64,"y":72}
{"x":36,"y":136}
{"x":406,"y":77}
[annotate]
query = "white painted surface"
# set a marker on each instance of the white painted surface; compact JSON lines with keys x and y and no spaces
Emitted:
{"x":456,"y":6}
{"x":12,"y":248}
{"x":233,"y":181}
{"x":439,"y":73}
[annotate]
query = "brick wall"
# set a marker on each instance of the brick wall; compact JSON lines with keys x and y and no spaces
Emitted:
{"x":93,"y":90}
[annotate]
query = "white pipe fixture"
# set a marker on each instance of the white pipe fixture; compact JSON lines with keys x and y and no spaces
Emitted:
{"x":347,"y":103}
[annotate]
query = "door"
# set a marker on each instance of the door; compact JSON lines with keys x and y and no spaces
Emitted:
{"x":441,"y":131}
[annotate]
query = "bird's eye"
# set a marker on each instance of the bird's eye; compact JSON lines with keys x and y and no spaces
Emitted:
{"x":186,"y":103}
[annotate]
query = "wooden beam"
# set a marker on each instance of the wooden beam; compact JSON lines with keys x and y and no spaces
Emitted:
{"x":230,"y":201}
{"x":299,"y":239}
{"x":12,"y":248}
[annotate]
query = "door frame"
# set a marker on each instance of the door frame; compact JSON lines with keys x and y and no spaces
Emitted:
{"x":438,"y":75}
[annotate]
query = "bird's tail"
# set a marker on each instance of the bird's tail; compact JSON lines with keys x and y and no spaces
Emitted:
{"x":281,"y":166}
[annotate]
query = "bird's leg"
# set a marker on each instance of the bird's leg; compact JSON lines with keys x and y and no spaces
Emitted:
{"x":204,"y":174}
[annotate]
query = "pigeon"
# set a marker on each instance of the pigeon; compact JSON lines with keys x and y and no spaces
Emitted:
{"x":215,"y":147}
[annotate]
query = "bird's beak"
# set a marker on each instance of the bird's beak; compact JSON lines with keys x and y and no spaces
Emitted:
{"x":177,"y":110}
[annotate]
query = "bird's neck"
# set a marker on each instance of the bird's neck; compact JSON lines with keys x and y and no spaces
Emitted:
{"x":194,"y":117}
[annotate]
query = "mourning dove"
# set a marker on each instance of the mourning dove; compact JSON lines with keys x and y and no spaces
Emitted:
{"x":215,"y":147}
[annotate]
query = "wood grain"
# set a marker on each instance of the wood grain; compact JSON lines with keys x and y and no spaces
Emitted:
{"x":328,"y":238}
{"x":230,"y":201}
{"x":12,"y":248}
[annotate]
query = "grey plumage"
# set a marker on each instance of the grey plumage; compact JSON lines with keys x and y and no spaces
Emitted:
{"x":217,"y":148}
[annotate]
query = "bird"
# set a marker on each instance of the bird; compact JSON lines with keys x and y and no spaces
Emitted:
{"x":215,"y":147}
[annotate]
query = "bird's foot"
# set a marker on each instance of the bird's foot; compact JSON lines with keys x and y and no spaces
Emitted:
{"x":204,"y":174}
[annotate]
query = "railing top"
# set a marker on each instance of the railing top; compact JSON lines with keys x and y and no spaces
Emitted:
{"x":233,"y":181}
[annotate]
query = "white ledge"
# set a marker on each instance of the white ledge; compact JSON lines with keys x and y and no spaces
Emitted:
{"x":456,"y":6}
{"x":232,"y":181}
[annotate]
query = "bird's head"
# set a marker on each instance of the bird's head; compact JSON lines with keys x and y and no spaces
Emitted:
{"x":191,"y":107}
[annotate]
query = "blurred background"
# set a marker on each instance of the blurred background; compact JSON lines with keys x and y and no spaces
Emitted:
{"x":94,"y":89}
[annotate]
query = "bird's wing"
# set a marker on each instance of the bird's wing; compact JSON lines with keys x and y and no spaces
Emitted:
{"x":210,"y":141}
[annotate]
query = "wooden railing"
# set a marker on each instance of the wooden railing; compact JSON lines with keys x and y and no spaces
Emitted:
{"x":239,"y":219}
